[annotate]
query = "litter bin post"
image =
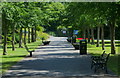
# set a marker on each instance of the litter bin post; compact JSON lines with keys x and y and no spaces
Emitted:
{"x":83,"y":47}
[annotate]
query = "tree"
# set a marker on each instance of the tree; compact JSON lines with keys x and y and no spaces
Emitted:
{"x":5,"y":23}
{"x":107,"y":11}
{"x":4,"y":27}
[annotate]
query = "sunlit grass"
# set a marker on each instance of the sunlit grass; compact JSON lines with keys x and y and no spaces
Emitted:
{"x":113,"y":63}
{"x":13,"y":57}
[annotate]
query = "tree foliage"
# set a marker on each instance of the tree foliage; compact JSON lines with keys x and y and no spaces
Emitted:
{"x":42,"y":16}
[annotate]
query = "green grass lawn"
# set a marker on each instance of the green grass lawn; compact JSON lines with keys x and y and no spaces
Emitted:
{"x":113,"y":63}
{"x":13,"y":57}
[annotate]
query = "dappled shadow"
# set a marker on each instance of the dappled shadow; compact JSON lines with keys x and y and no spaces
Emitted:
{"x":59,"y":43}
{"x":54,"y":50}
{"x":94,"y":54}
{"x":117,"y":45}
{"x":33,"y":45}
{"x":55,"y":46}
{"x":108,"y":42}
{"x":49,"y":65}
{"x":56,"y":59}
{"x":48,"y":47}
{"x":63,"y":54}
{"x":64,"y":64}
{"x":11,"y":47}
{"x":14,"y":56}
{"x":4,"y":65}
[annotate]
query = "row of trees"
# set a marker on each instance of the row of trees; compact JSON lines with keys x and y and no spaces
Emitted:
{"x":88,"y":16}
{"x":29,"y":17}
{"x":15,"y":18}
{"x":26,"y":18}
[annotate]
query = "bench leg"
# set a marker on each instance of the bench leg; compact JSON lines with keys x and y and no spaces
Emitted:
{"x":105,"y":68}
{"x":30,"y":54}
{"x":95,"y":68}
{"x":106,"y":71}
{"x":92,"y":65}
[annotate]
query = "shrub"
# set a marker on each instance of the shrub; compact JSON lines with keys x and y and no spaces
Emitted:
{"x":41,"y":35}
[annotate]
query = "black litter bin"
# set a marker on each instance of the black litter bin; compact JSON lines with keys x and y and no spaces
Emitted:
{"x":74,"y":39}
{"x":83,"y":47}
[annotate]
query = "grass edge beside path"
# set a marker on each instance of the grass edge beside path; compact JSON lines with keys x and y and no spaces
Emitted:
{"x":13,"y":57}
{"x":113,"y":63}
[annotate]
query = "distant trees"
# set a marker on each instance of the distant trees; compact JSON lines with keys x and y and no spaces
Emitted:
{"x":100,"y":14}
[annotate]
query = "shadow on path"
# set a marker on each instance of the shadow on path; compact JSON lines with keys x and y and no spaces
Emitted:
{"x":58,"y":59}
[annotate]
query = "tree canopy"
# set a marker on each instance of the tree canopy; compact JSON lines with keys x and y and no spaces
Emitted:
{"x":54,"y":16}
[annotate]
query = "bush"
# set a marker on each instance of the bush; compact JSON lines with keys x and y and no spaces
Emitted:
{"x":41,"y":35}
{"x":52,"y":33}
{"x":16,"y":38}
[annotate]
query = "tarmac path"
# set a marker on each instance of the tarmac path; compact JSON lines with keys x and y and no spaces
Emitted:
{"x":58,"y":59}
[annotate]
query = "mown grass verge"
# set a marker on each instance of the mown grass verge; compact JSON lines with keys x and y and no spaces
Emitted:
{"x":13,"y":57}
{"x":113,"y":62}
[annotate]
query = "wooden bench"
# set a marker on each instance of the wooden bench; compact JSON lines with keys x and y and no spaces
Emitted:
{"x":45,"y":42}
{"x":100,"y":62}
{"x":96,"y":58}
{"x":76,"y":46}
{"x":28,"y":50}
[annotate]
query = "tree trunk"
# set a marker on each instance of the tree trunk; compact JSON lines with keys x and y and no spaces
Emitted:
{"x":102,"y":37}
{"x":35,"y":33}
{"x":88,"y":31}
{"x":112,"y":31}
{"x":28,"y":35}
{"x":98,"y":36}
{"x":92,"y":34}
{"x":25,"y":36}
{"x":84,"y":33}
{"x":1,"y":28}
{"x":13,"y":37}
{"x":5,"y":42}
{"x":20,"y":39}
{"x":32,"y":34}
{"x":4,"y":26}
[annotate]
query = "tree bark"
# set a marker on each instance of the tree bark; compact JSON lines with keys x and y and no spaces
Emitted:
{"x":4,"y":26}
{"x":92,"y":34}
{"x":98,"y":36}
{"x":28,"y":35}
{"x":32,"y":34}
{"x":84,"y":33}
{"x":112,"y":31}
{"x":25,"y":36}
{"x":5,"y":42}
{"x":20,"y":39}
{"x":102,"y":37}
{"x":35,"y":34}
{"x":13,"y":37}
{"x":88,"y":31}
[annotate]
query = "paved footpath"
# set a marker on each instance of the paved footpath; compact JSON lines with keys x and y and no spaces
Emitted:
{"x":58,"y":59}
